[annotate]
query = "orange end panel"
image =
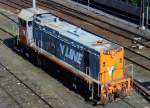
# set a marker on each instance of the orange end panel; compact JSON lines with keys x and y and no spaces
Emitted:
{"x":111,"y":65}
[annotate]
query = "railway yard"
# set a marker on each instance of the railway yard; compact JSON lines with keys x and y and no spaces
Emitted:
{"x":25,"y":85}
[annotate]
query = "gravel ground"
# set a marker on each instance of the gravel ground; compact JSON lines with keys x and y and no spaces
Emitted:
{"x":18,"y":92}
{"x":14,"y":95}
{"x":6,"y":101}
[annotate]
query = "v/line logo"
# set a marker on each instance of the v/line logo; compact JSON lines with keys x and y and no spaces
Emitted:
{"x":111,"y":70}
{"x":71,"y":53}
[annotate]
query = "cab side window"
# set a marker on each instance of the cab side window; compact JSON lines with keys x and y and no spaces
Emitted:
{"x":22,"y":22}
{"x":30,"y":23}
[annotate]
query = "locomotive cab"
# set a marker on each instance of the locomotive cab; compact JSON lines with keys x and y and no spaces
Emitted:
{"x":25,"y":26}
{"x":25,"y":18}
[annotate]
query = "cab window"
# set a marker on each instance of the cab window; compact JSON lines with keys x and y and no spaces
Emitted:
{"x":30,"y":23}
{"x":22,"y":22}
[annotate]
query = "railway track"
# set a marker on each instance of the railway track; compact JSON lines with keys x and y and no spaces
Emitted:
{"x":20,"y":106}
{"x":115,"y":12}
{"x":137,"y":59}
{"x":20,"y":81}
{"x":140,"y":89}
{"x":130,"y":39}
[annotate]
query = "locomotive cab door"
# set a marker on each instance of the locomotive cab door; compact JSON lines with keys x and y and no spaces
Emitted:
{"x":22,"y":31}
{"x":25,"y":31}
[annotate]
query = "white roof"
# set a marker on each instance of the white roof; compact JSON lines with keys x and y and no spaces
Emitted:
{"x":75,"y":33}
{"x":26,"y":14}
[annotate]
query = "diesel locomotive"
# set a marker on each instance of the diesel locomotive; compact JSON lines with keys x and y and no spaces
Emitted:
{"x":93,"y":60}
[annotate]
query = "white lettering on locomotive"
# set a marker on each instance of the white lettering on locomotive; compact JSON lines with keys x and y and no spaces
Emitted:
{"x":71,"y":54}
{"x":110,"y":70}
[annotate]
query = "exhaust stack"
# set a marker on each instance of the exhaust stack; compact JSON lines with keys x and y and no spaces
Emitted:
{"x":34,"y":4}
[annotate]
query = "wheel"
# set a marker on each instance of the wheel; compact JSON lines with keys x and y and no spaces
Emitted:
{"x":123,"y":92}
{"x":74,"y":85}
{"x":22,"y":51}
{"x":38,"y":61}
{"x":104,"y":100}
{"x":110,"y":97}
{"x":27,"y":54}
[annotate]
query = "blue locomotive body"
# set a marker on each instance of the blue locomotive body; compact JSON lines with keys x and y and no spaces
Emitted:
{"x":66,"y":49}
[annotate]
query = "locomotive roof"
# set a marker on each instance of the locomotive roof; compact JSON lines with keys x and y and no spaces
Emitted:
{"x":26,"y":14}
{"x":75,"y":33}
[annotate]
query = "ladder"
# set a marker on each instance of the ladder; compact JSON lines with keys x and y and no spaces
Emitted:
{"x":90,"y":83}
